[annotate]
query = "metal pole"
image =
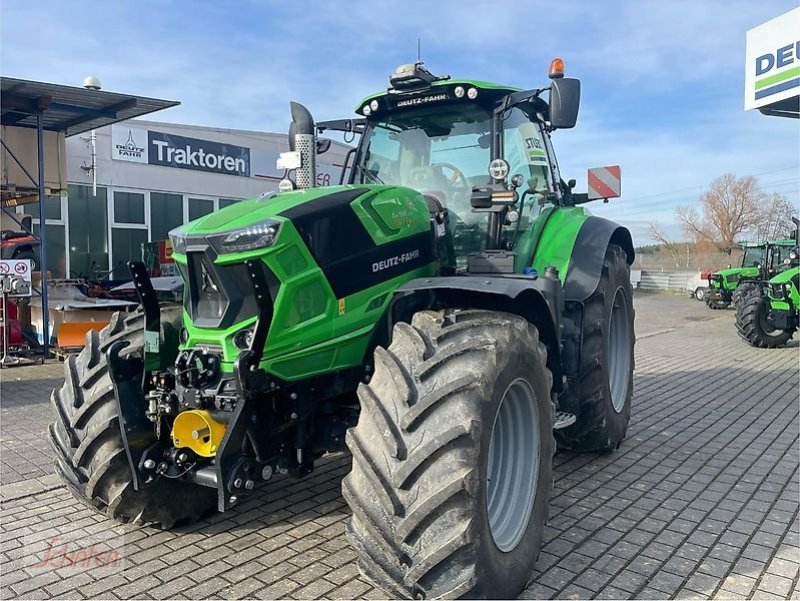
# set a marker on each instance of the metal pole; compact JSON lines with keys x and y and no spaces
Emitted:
{"x":6,"y":330}
{"x":42,"y":234}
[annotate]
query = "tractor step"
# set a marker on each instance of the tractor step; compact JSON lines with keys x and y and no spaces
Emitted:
{"x":563,"y":419}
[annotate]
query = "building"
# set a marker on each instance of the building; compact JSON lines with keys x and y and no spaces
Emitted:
{"x":148,"y":178}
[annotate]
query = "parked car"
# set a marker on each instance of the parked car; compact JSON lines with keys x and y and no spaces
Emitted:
{"x":697,"y":286}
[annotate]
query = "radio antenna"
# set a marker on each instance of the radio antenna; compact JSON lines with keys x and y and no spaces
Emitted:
{"x":419,"y":50}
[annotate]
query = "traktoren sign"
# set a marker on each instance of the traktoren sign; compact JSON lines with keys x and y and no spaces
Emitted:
{"x":171,"y":150}
{"x":773,"y":61}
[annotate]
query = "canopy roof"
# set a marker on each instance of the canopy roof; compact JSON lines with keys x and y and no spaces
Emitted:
{"x":70,"y":109}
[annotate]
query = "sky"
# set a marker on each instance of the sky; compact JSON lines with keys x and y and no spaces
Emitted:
{"x":662,"y":81}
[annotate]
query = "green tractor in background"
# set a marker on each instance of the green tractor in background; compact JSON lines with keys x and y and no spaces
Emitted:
{"x":767,"y":311}
{"x":442,"y":315}
{"x":759,"y":261}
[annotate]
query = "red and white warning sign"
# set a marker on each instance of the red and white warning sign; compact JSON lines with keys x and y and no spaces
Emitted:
{"x":20,"y":268}
{"x":605,"y":182}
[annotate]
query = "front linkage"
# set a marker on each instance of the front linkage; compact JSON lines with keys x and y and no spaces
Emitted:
{"x":245,"y":439}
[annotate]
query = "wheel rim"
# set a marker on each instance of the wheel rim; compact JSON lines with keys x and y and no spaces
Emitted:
{"x":619,"y":352}
{"x":513,"y":465}
{"x":763,"y":320}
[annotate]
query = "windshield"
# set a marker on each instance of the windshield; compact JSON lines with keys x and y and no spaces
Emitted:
{"x":445,"y":152}
{"x":753,"y":257}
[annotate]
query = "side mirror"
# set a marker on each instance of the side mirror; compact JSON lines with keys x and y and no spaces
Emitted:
{"x":27,"y":223}
{"x":565,"y":100}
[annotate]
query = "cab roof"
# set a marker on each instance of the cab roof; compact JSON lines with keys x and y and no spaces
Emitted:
{"x":481,"y":85}
{"x":770,"y":242}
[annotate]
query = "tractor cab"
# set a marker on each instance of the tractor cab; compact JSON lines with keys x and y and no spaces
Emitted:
{"x":478,"y":151}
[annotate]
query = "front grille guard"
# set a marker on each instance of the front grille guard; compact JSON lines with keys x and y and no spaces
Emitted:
{"x":130,"y":375}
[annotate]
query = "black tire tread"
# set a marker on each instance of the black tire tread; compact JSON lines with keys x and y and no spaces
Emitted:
{"x":748,"y":324}
{"x":90,"y":456}
{"x":712,"y":302}
{"x":412,"y":522}
{"x":590,"y":432}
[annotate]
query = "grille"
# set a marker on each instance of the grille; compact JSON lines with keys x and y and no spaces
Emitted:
{"x":218,"y":296}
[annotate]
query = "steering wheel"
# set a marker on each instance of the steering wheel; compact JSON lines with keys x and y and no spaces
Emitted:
{"x":457,"y":180}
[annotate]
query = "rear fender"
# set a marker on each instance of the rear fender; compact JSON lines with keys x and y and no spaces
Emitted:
{"x":538,"y":300}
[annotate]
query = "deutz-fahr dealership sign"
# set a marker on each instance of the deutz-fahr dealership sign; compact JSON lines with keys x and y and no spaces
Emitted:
{"x":773,"y":61}
{"x":170,"y":150}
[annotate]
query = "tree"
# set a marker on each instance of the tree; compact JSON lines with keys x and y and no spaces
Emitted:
{"x":776,"y":219}
{"x":729,"y":208}
{"x":677,"y":250}
{"x":733,"y":208}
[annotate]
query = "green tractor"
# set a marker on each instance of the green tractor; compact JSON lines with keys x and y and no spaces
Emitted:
{"x":759,"y":261}
{"x":767,"y":312}
{"x":445,"y":313}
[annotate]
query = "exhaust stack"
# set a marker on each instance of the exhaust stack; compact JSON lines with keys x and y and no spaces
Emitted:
{"x":303,"y":141}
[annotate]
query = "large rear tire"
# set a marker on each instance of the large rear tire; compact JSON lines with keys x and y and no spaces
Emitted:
{"x":752,"y":323}
{"x":452,"y":457}
{"x":605,"y":387}
{"x":90,"y":456}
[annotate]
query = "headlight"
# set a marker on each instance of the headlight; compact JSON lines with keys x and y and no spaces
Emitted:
{"x":366,"y":111}
{"x":259,"y":235}
{"x":459,"y":91}
{"x":472,"y":93}
{"x":792,"y":255}
{"x":374,"y":105}
{"x":178,"y":239}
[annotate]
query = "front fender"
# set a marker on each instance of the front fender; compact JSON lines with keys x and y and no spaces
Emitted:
{"x":537,"y":299}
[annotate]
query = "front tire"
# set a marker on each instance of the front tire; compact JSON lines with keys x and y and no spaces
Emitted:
{"x":90,"y":456}
{"x":452,"y":457}
{"x":752,"y":323}
{"x":605,"y":387}
{"x":700,"y":293}
{"x":713,"y":300}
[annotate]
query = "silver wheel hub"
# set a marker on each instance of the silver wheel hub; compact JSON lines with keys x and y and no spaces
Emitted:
{"x":513,"y":468}
{"x":619,"y":350}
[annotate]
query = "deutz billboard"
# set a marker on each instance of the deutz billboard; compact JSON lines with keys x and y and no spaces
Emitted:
{"x":170,"y":150}
{"x":773,"y":61}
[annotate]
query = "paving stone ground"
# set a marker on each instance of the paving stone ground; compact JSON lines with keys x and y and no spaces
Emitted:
{"x":700,"y":501}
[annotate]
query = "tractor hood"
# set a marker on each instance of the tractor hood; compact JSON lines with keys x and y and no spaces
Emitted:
{"x":329,"y":256}
{"x":785,"y":276}
{"x":733,"y":273}
{"x":253,"y":211}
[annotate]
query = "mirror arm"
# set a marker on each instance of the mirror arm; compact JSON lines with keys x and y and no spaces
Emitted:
{"x":519,"y":97}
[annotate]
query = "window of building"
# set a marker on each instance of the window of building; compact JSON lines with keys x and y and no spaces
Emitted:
{"x":88,"y":230}
{"x":52,"y":208}
{"x":126,"y":245}
{"x":166,"y":213}
{"x":129,"y":207}
{"x":56,"y":248}
{"x":199,"y":207}
{"x":226,"y":202}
